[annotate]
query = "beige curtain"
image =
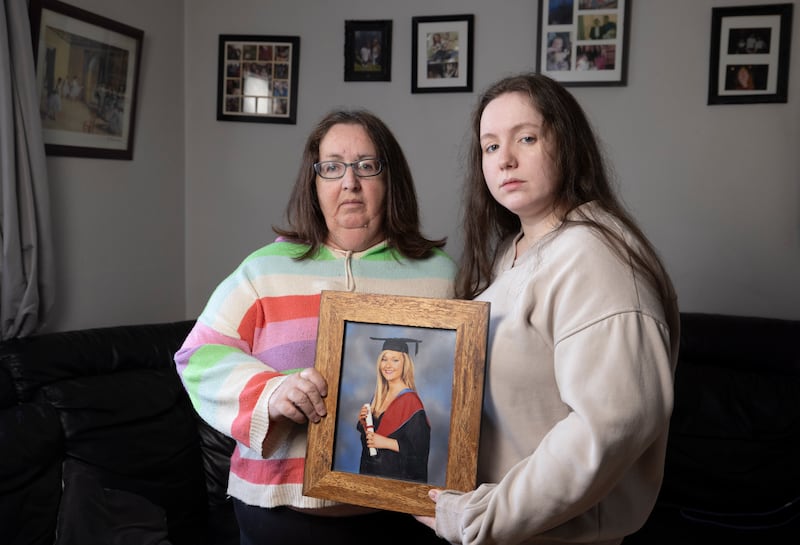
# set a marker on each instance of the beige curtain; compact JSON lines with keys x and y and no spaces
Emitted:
{"x":26,"y":262}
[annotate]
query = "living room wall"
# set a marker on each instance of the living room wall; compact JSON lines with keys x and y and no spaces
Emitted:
{"x":717,"y":188}
{"x":119,"y":225}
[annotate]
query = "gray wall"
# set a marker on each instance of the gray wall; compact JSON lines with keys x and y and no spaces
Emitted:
{"x":717,"y":188}
{"x":119,"y":225}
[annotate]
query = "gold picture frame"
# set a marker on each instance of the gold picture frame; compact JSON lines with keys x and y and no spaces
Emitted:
{"x":348,"y":323}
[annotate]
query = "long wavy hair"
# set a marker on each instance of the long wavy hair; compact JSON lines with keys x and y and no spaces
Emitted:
{"x":382,"y":387}
{"x":401,"y":224}
{"x":583,"y":177}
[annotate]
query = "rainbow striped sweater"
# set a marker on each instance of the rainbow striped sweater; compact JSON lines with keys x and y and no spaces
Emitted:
{"x":260,"y":325}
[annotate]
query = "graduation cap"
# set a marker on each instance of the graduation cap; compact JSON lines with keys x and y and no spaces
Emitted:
{"x":398,"y":344}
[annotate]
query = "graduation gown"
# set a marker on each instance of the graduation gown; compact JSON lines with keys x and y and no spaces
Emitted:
{"x":405,"y":421}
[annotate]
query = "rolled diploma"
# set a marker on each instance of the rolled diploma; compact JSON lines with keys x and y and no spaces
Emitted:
{"x":372,"y":450}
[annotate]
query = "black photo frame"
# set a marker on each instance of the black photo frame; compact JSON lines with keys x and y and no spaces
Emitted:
{"x":750,"y":48}
{"x":442,"y":53}
{"x":368,"y":50}
{"x":257,"y":78}
{"x":87,"y":73}
{"x":584,"y":43}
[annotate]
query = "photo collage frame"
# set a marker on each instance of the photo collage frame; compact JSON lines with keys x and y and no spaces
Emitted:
{"x":257,"y":78}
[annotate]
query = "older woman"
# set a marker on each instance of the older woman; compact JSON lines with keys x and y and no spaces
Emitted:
{"x":248,"y":363}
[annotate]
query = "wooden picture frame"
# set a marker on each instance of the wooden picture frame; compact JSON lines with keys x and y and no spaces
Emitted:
{"x":584,"y":42}
{"x":87,"y":73}
{"x":368,"y":50}
{"x":442,"y":53}
{"x":257,"y":78}
{"x":750,"y":48}
{"x":351,"y":328}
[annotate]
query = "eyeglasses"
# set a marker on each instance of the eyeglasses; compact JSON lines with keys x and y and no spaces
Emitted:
{"x":333,"y":170}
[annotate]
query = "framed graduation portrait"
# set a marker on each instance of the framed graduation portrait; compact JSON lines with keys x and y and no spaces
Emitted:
{"x":405,"y":388}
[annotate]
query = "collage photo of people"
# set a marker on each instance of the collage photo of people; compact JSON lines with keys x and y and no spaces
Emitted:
{"x":746,"y":46}
{"x":442,"y":54}
{"x":257,"y":78}
{"x":582,"y":35}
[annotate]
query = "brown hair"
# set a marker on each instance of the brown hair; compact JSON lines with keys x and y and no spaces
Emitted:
{"x":583,"y":176}
{"x":401,"y":225}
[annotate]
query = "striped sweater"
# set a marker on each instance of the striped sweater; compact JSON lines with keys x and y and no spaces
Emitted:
{"x":260,"y":325}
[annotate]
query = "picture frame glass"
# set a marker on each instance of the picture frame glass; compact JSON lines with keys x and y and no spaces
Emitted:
{"x":87,"y":70}
{"x":584,"y":42}
{"x":433,"y":359}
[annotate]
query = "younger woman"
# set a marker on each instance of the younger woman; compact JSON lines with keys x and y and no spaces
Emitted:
{"x":583,"y":334}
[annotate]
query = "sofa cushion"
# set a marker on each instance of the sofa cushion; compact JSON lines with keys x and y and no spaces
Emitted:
{"x":137,"y":432}
{"x":93,"y":514}
{"x":217,"y":449}
{"x":28,"y":514}
{"x":731,"y":474}
{"x":8,"y":396}
{"x":30,"y":473}
{"x":734,"y":441}
{"x":30,"y":440}
{"x":735,"y":431}
{"x":44,"y":359}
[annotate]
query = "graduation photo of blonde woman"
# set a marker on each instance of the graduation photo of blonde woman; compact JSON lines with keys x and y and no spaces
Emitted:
{"x":394,"y":409}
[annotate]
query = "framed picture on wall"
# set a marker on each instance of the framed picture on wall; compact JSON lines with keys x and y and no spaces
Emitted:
{"x":584,"y":42}
{"x":87,"y":74}
{"x":441,"y":54}
{"x":750,"y":54}
{"x":362,"y":342}
{"x":368,"y":50}
{"x":257,"y":78}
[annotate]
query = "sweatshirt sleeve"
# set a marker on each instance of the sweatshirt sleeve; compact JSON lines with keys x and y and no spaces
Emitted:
{"x":596,"y":473}
{"x":228,"y":385}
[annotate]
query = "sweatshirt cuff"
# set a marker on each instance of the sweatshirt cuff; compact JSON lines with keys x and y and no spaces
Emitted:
{"x":448,"y":519}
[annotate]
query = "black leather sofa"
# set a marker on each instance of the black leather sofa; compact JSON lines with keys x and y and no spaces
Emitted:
{"x":99,"y":443}
{"x":732,"y":471}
